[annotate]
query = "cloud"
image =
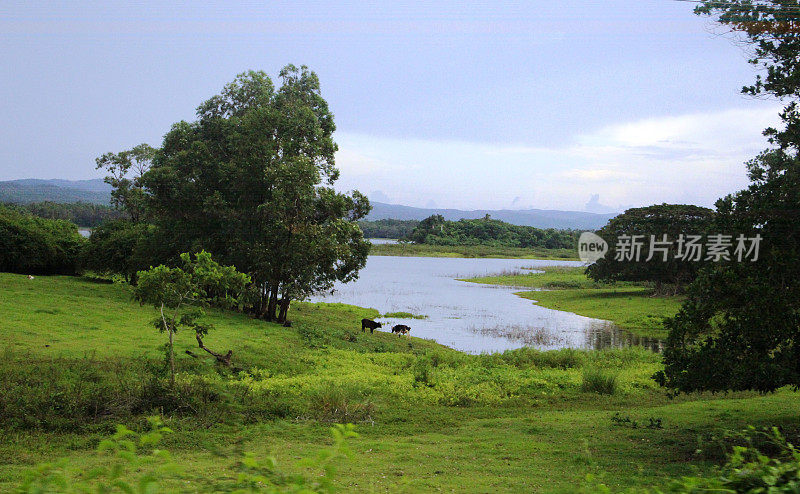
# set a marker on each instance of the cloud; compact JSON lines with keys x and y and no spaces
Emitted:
{"x":693,"y":158}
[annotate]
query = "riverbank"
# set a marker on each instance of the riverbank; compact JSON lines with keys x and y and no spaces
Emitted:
{"x":469,"y":251}
{"x":80,"y":357}
{"x":631,"y":306}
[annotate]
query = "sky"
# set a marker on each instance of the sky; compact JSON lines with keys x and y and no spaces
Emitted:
{"x":579,"y":105}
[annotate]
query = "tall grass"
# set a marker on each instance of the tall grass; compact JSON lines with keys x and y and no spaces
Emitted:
{"x":598,"y":381}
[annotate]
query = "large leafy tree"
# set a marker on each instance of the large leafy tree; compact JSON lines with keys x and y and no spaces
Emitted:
{"x":662,"y":260}
{"x":251,"y":181}
{"x":740,"y":327}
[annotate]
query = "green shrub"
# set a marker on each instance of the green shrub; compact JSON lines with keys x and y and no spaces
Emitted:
{"x":598,"y":381}
{"x":137,"y":465}
{"x":32,"y":245}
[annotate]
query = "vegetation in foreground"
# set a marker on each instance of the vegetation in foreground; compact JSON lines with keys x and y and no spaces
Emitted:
{"x":633,"y":306}
{"x":485,"y":251}
{"x":81,"y":357}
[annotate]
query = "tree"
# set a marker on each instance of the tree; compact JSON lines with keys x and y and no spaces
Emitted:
{"x":180,"y":293}
{"x":431,"y":225}
{"x":118,"y":247}
{"x":32,"y":245}
{"x":668,"y":264}
{"x":251,"y":181}
{"x":126,"y":170}
{"x":739,"y":328}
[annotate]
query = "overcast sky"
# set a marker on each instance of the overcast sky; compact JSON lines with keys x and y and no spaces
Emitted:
{"x":540,"y":104}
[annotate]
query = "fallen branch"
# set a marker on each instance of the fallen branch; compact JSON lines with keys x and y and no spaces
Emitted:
{"x":223,"y":359}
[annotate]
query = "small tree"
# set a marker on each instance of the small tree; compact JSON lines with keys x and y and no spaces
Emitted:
{"x":126,"y":170}
{"x":180,"y":293}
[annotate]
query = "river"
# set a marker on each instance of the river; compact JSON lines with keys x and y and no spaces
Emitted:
{"x":472,"y":317}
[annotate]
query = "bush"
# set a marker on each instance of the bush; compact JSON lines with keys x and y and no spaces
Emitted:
{"x":31,"y":245}
{"x":598,"y":381}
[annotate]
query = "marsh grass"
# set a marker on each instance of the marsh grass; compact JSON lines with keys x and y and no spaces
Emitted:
{"x":404,"y":315}
{"x":632,"y":306}
{"x":526,"y":335}
{"x":600,"y":381}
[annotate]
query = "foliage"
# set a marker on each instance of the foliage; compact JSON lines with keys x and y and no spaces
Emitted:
{"x":127,"y":449}
{"x":740,"y":326}
{"x":126,"y":170}
{"x":201,"y":281}
{"x":470,"y":251}
{"x":387,"y":228}
{"x":135,"y":457}
{"x":83,"y":214}
{"x":251,"y":181}
{"x":652,"y":223}
{"x":118,"y":247}
{"x":32,"y":245}
{"x":598,"y":381}
{"x":435,"y":230}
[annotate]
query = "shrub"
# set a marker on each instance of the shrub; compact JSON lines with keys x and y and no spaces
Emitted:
{"x":32,"y":245}
{"x":598,"y":381}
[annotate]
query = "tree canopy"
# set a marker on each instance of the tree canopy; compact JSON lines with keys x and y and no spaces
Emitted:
{"x":740,"y":326}
{"x":435,"y":230}
{"x":662,"y":233}
{"x":251,"y":181}
{"x":33,"y":245}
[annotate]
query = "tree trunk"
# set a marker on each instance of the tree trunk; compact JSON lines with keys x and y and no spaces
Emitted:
{"x":171,"y":348}
{"x":171,"y":360}
{"x":273,"y":302}
{"x":285,"y":301}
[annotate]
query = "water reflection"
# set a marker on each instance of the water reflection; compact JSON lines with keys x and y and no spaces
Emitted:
{"x":471,"y":317}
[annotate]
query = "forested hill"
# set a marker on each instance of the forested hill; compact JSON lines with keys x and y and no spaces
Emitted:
{"x":31,"y":190}
{"x":540,"y":218}
{"x":98,"y":192}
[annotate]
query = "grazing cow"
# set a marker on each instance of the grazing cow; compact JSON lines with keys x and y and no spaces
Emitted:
{"x":401,"y":329}
{"x":30,"y":276}
{"x":369,"y":323}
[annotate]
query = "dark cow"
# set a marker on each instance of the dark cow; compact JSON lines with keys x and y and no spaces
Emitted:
{"x":401,"y":329}
{"x":369,"y":323}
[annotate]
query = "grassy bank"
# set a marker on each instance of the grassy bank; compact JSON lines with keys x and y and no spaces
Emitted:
{"x":424,"y":250}
{"x":80,"y":357}
{"x":631,"y":306}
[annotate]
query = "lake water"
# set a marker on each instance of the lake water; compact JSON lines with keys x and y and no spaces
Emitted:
{"x":376,"y":241}
{"x":472,"y":317}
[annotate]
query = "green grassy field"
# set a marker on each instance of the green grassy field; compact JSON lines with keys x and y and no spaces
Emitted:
{"x":424,"y":250}
{"x":631,"y":306}
{"x":80,"y":357}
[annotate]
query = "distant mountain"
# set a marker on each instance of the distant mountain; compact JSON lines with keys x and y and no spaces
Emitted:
{"x":98,"y":192}
{"x":540,"y":218}
{"x":30,"y":190}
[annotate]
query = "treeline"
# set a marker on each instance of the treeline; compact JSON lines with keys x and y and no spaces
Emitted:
{"x":435,"y":230}
{"x":387,"y":228}
{"x":33,"y":245}
{"x":83,"y":214}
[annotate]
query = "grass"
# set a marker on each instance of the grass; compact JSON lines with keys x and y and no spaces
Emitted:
{"x":429,"y":418}
{"x":631,"y":306}
{"x":404,"y":315}
{"x":487,"y":251}
{"x":598,"y":381}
